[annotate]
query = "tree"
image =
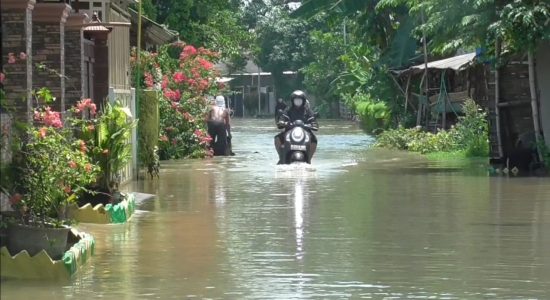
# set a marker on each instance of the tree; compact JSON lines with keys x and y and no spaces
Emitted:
{"x":281,"y":45}
{"x":215,"y":24}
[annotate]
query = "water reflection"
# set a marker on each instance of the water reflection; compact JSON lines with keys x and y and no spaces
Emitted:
{"x":356,"y":224}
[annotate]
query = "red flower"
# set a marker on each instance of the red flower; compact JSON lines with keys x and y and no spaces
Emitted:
{"x":2,"y":77}
{"x":165,"y":82}
{"x":88,"y":167}
{"x":72,"y":164}
{"x":91,"y":127}
{"x":179,"y":77}
{"x":187,"y":52}
{"x":205,"y":64}
{"x":149,"y":82}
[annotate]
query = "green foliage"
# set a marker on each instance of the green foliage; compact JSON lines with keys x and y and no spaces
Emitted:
{"x":149,"y":130}
{"x":469,"y":136}
{"x":327,"y":48}
{"x":53,"y":169}
{"x":522,"y":24}
{"x":186,"y":76}
{"x":374,"y":115}
{"x":215,"y":24}
{"x":106,"y":139}
{"x":473,"y":130}
{"x":229,"y":37}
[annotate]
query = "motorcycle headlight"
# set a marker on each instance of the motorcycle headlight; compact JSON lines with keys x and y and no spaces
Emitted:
{"x":297,"y":134}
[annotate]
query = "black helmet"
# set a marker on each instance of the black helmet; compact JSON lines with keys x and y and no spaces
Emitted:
{"x":298,"y":94}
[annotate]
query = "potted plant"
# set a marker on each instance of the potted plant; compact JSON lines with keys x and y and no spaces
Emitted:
{"x":54,"y":168}
{"x":107,"y":137}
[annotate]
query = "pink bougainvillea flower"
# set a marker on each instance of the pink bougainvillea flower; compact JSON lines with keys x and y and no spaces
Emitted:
{"x":2,"y":77}
{"x":11,"y":58}
{"x":87,"y":104}
{"x":72,"y":164}
{"x":22,"y":56}
{"x":51,"y":118}
{"x":179,"y":77}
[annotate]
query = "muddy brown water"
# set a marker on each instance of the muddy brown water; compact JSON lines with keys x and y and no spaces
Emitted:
{"x":357,"y":223}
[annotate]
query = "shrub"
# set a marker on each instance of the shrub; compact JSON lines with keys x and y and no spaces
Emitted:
{"x":469,"y":135}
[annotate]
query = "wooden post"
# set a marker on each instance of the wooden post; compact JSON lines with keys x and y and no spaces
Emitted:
{"x":444,"y":112}
{"x":407,"y":92}
{"x":534,"y":104}
{"x":426,"y":85}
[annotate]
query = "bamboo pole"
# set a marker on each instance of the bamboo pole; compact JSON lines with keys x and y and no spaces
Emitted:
{"x":497,"y":98}
{"x":534,"y":104}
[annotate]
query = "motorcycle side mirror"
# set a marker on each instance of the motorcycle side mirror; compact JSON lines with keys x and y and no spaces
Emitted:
{"x":316,"y":114}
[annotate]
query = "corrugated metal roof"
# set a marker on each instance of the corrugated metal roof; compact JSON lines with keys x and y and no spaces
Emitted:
{"x":456,"y":62}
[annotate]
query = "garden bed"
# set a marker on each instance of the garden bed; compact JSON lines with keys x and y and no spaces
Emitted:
{"x":104,"y":214}
{"x":42,"y":266}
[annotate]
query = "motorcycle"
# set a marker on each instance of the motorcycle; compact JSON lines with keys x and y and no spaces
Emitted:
{"x":297,"y":142}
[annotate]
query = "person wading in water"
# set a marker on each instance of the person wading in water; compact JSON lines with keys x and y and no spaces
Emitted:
{"x":219,"y":127}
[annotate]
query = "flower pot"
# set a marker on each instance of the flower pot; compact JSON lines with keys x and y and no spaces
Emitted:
{"x":35,"y":239}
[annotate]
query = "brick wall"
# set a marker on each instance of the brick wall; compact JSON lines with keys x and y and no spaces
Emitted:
{"x":47,"y":49}
{"x":18,"y":75}
{"x":73,"y":66}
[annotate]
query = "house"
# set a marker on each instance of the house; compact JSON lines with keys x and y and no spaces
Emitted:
{"x":510,"y":117}
{"x":82,"y":46}
{"x":253,"y":90}
{"x":513,"y":136}
{"x":451,"y":81}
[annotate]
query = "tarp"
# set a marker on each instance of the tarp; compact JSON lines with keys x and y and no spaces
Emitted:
{"x":456,"y":63}
{"x":224,"y":79}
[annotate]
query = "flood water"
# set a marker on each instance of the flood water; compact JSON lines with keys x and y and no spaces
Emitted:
{"x":357,"y":223}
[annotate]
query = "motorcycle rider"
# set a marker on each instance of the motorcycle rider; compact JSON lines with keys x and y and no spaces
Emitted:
{"x":299,"y":110}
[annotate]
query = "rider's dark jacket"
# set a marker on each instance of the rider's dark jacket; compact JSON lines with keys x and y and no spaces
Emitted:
{"x":294,"y":113}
